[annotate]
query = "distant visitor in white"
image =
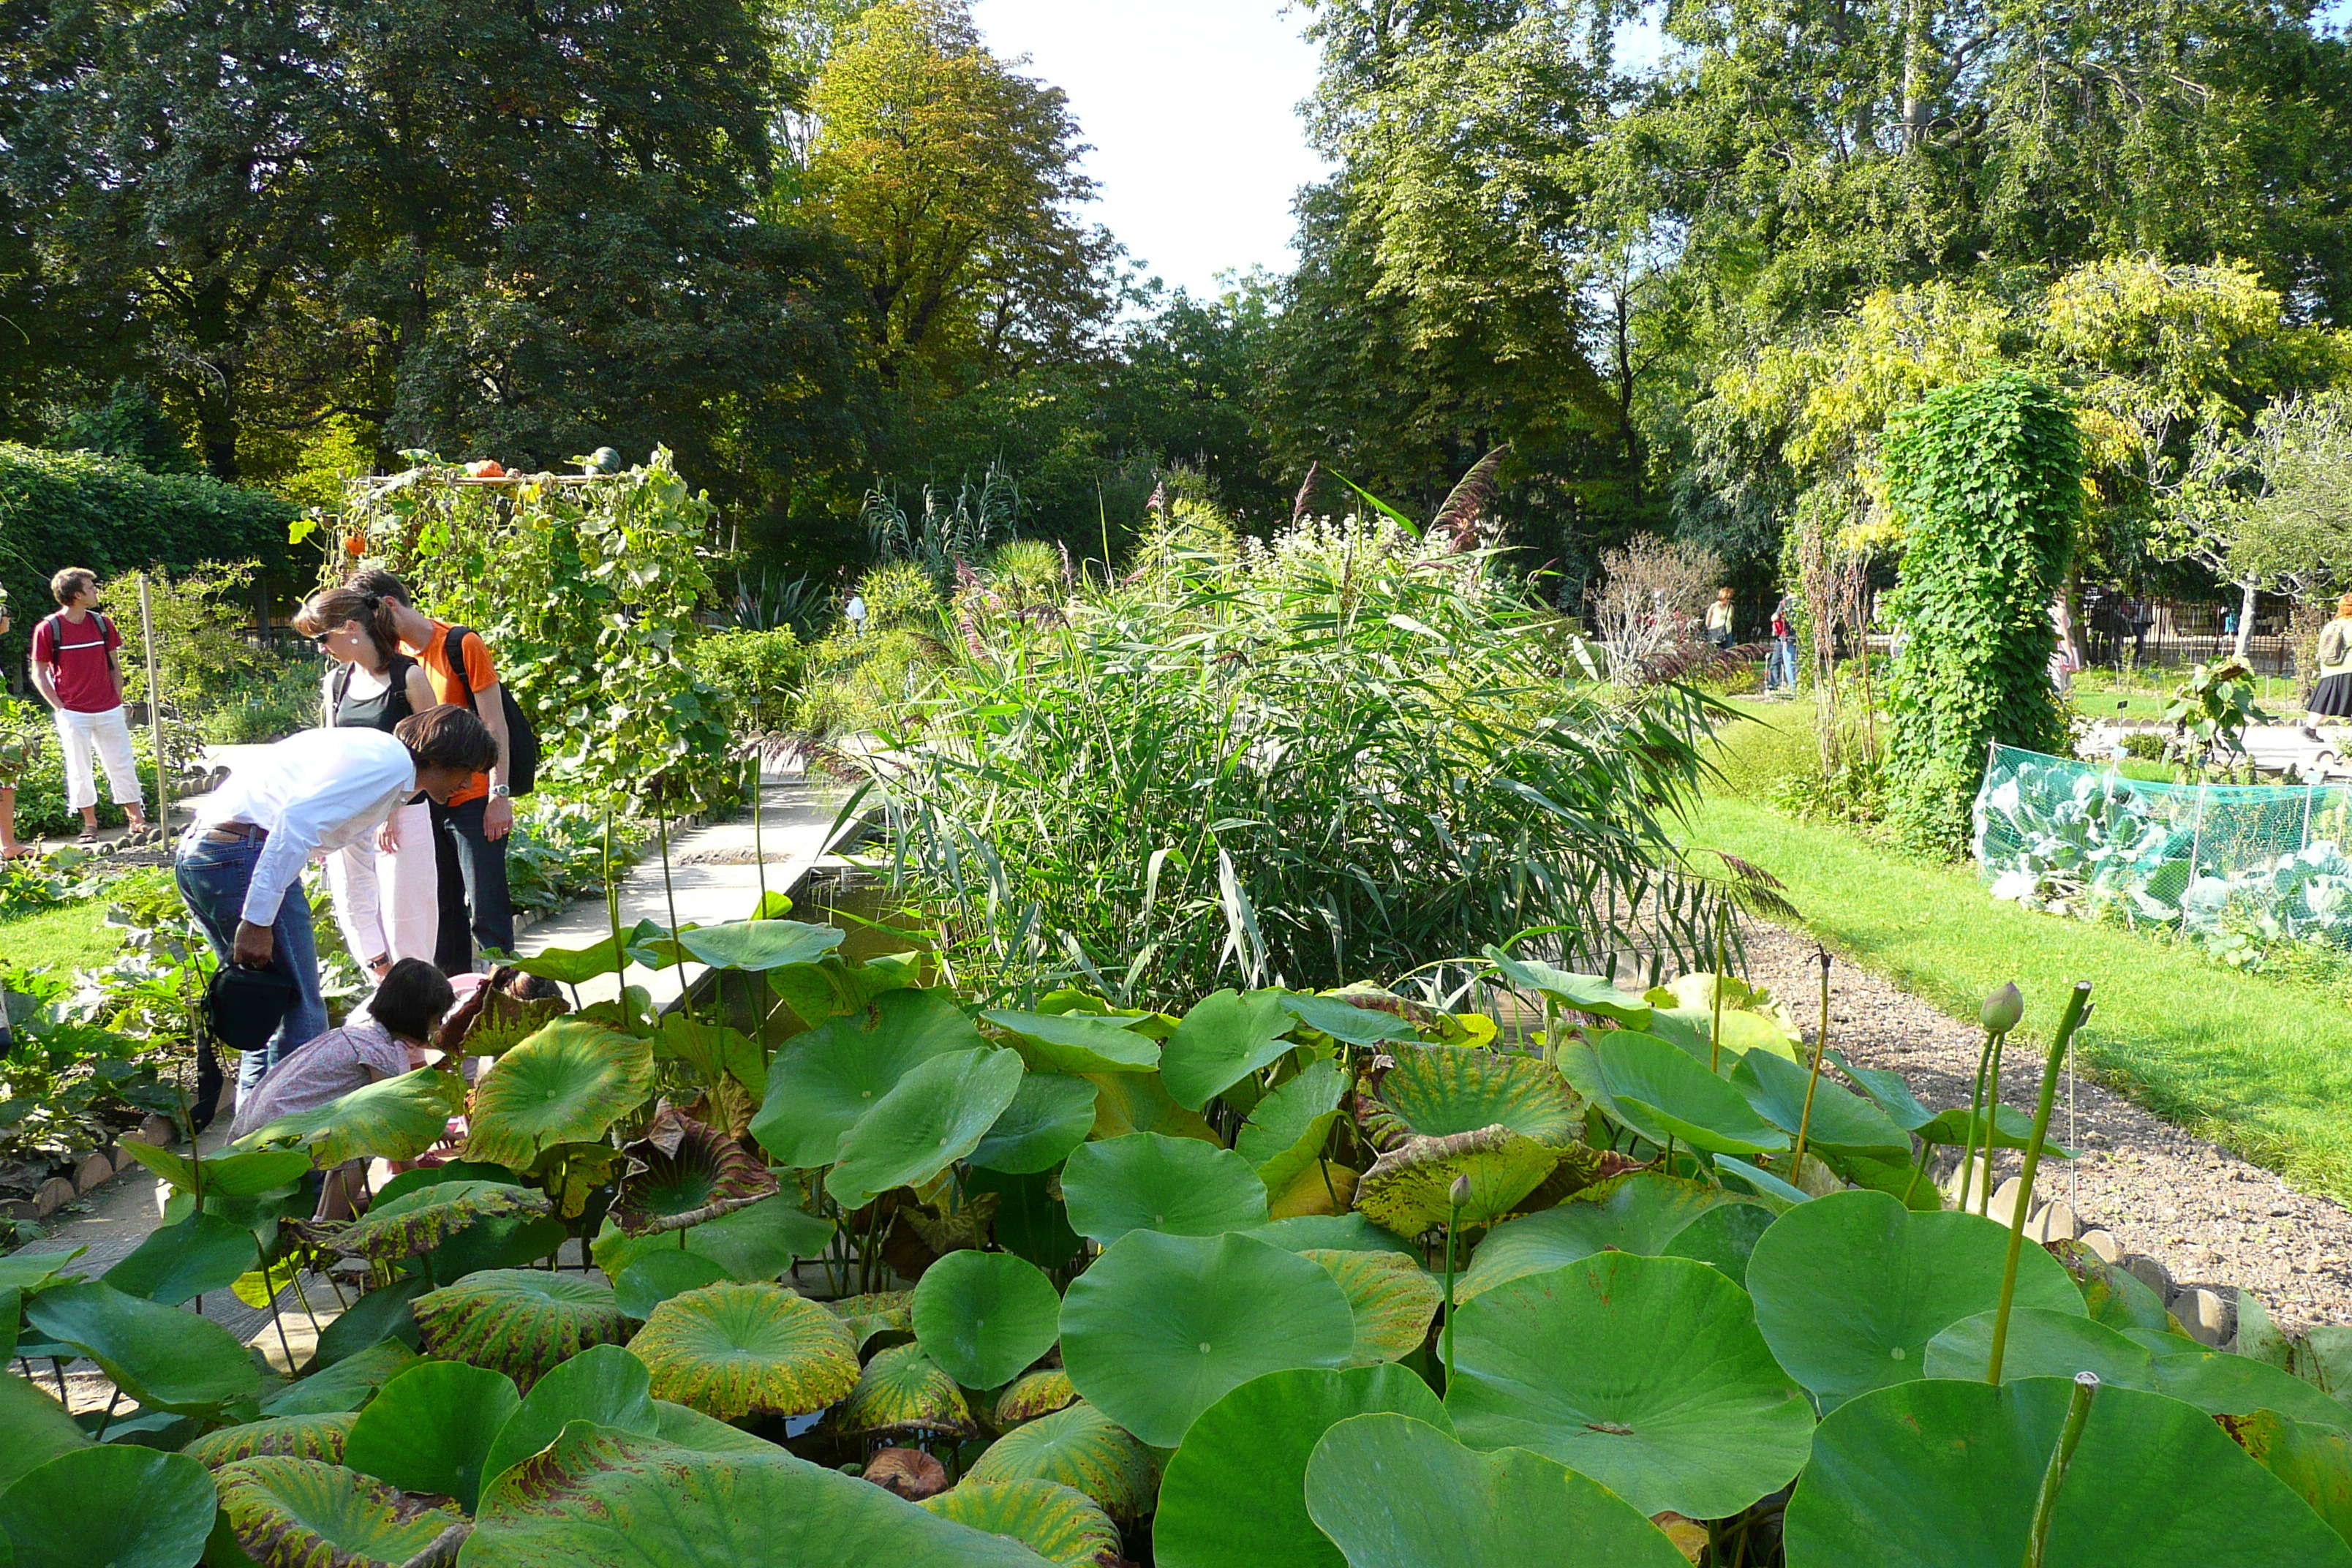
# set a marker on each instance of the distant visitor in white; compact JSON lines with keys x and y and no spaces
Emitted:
{"x":241,"y":866}
{"x":78,"y":675}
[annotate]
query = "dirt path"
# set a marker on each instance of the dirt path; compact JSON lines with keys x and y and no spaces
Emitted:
{"x":2210,"y":1217}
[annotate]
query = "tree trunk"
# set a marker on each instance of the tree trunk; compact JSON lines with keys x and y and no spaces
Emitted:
{"x":2245,"y":622}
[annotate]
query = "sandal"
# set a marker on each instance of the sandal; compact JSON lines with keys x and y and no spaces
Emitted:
{"x":86,"y":837}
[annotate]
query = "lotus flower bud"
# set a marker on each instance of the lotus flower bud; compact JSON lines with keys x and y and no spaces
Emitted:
{"x":1459,"y":1194}
{"x":2002,"y":1010}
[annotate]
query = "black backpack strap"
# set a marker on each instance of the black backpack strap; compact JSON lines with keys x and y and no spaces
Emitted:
{"x":453,"y":650}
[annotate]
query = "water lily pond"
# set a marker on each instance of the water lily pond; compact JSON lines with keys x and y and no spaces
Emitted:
{"x":838,"y":1265}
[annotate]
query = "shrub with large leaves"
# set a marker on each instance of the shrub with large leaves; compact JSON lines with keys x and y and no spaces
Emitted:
{"x":566,"y":1084}
{"x":520,"y":1321}
{"x":733,"y":1349}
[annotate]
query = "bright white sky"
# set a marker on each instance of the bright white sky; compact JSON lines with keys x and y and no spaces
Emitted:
{"x":1191,"y":109}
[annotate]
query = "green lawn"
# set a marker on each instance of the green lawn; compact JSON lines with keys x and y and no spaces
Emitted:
{"x":70,"y":936}
{"x":2260,"y":1065}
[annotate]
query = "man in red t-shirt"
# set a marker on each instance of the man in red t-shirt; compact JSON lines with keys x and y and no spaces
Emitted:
{"x":77,"y":674}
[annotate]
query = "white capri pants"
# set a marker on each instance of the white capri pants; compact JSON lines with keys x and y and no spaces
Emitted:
{"x":108,"y":733}
{"x":389,"y":902}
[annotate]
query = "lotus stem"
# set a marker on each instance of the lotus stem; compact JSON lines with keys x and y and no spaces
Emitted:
{"x":1456,"y":1196}
{"x":669,"y":897}
{"x":1991,"y":1123}
{"x":2045,"y":1502}
{"x":1714,"y":1034}
{"x":283,"y":1344}
{"x":612,"y":915}
{"x":1820,"y":1046}
{"x":2077,"y":1008}
{"x":759,"y":849}
{"x":1968,"y":1181}
{"x":108,"y":1419}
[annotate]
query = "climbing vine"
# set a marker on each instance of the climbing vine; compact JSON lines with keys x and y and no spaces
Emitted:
{"x":585,"y":589}
{"x":1985,"y":479}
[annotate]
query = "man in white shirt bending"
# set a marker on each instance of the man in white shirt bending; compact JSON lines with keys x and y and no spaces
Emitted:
{"x":241,"y":866}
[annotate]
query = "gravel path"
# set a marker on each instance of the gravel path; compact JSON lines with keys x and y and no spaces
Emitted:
{"x":2207,"y":1215}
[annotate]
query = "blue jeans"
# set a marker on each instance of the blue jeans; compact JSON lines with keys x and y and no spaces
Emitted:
{"x":212,"y":878}
{"x":1781,"y":670}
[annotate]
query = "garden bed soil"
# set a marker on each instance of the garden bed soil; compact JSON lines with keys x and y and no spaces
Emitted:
{"x":2210,"y":1217}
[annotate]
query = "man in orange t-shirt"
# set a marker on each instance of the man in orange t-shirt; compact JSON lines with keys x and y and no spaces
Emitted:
{"x":470,"y":832}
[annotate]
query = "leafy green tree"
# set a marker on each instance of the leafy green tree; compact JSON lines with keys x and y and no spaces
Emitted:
{"x":950,"y":177}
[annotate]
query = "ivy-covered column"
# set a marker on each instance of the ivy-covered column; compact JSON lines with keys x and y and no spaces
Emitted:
{"x":1986,"y":480}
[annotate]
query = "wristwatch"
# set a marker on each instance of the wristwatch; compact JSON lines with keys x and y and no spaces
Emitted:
{"x":499,"y":792}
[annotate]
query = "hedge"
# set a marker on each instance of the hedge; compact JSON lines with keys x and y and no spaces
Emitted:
{"x":75,"y":508}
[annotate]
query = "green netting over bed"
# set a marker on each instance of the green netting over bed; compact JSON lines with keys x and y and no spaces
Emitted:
{"x":2234,"y":866}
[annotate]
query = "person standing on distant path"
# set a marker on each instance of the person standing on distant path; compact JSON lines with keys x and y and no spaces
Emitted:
{"x":1781,"y":671}
{"x":470,"y":828}
{"x":387,"y":886}
{"x":2332,"y":698}
{"x":240,"y":867}
{"x":1719,"y":619}
{"x":77,"y":673}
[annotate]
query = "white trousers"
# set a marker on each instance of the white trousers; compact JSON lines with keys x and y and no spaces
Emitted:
{"x":388,"y":903}
{"x":108,"y":733}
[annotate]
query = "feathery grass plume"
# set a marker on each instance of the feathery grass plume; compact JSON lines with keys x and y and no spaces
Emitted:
{"x":1465,"y":505}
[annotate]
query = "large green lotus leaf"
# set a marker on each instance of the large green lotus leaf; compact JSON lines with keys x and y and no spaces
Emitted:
{"x":520,"y":1321}
{"x":1410,"y":1189}
{"x":2114,"y":1296}
{"x":985,"y":1316}
{"x":933,"y":1117}
{"x":1051,"y":1115}
{"x":2041,"y":1343}
{"x":575,"y":965}
{"x":1031,"y":1220}
{"x":822,"y":1080}
{"x":393,"y":1119}
{"x":1226,"y":1037}
{"x":1887,"y":1090}
{"x":684,"y":1429}
{"x":1393,"y":1298}
{"x":1286,"y":1130}
{"x":320,"y":1437}
{"x":734,"y":1349}
{"x":1391,"y":1491}
{"x":384,"y":1315}
{"x":2222,"y":1383}
{"x":759,"y":1242}
{"x":1851,"y":1287}
{"x":1659,"y":1093}
{"x":1645,"y":1374}
{"x":714,"y":1051}
{"x":1059,"y":1523}
{"x":164,"y":1359}
{"x":1343,"y":1020}
{"x":1148,"y":1182}
{"x":2314,"y":1462}
{"x":1841,"y":1119}
{"x":248,"y":1174}
{"x":657,"y":1276}
{"x":758,"y":946}
{"x":1332,"y":1233}
{"x":1039,"y":1394}
{"x":876,"y":1312}
{"x":288,"y":1512}
{"x":1234,"y":1496}
{"x":566,"y":1084}
{"x":1078,"y":1446}
{"x":430,"y":1429}
{"x":685,"y":1173}
{"x":1583,"y":993}
{"x":903,"y":1390}
{"x":347,"y":1385}
{"x":1435,"y":1090}
{"x":1162,"y":1326}
{"x":34,"y":1428}
{"x":1078,"y":1042}
{"x":612,"y":1499}
{"x":1129,"y":1102}
{"x":603,"y":1385}
{"x":114,"y":1506}
{"x":1942,"y":1473}
{"x":417,"y":1222}
{"x":1645,"y":1212}
{"x":204,"y":1252}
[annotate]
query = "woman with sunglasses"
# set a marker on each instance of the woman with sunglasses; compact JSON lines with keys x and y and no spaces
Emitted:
{"x":386,"y":889}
